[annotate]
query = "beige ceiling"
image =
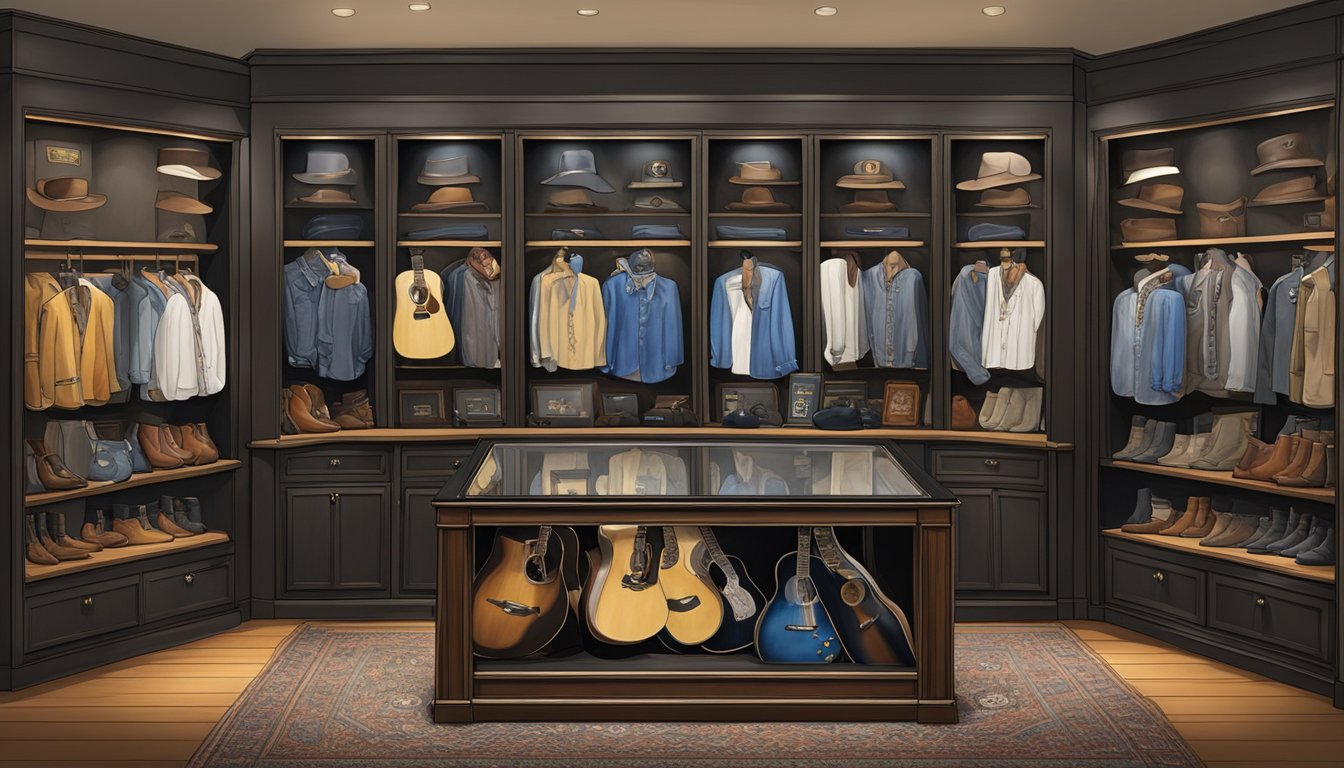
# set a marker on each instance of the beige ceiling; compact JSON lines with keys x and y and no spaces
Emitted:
{"x":235,"y":27}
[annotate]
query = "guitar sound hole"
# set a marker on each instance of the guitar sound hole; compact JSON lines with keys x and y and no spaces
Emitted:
{"x":535,"y":570}
{"x":419,"y":295}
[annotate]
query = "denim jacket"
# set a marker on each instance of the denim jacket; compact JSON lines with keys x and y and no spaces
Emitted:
{"x":644,"y":330}
{"x":967,"y":322}
{"x":1148,"y":339}
{"x":328,"y":330}
{"x":898,"y":317}
{"x":772,"y":343}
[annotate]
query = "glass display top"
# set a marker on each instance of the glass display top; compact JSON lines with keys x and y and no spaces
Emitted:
{"x":591,"y":469}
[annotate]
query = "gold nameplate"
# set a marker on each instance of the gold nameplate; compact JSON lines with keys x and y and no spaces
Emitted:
{"x":63,"y":155}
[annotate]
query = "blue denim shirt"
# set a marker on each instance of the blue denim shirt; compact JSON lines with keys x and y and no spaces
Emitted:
{"x":967,"y":323}
{"x":1148,"y":352}
{"x":644,"y":340}
{"x":123,"y":324}
{"x":898,"y":317}
{"x":149,"y":309}
{"x":772,"y":344}
{"x":327,"y":330}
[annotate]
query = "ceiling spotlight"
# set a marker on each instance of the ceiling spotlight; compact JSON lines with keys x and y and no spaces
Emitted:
{"x":419,"y":6}
{"x":587,"y":11}
{"x":993,"y":10}
{"x":826,"y":10}
{"x":344,"y":13}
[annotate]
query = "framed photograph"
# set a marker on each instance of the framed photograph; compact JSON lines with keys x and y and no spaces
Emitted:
{"x":900,"y":404}
{"x":567,"y":403}
{"x":421,"y":404}
{"x":623,"y":404}
{"x":804,"y":398}
{"x":479,"y":406}
{"x":744,"y":396}
{"x":854,"y":391}
{"x":570,"y":482}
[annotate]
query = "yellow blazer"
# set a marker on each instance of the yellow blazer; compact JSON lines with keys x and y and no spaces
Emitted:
{"x":98,"y":362}
{"x":51,"y":346}
{"x":572,"y":333}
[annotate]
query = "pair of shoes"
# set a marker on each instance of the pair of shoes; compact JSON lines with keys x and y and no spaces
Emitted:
{"x":354,"y":411}
{"x":51,"y":471}
{"x":1151,"y":514}
{"x":1321,"y":554}
{"x":1227,"y":441}
{"x":1156,"y":441}
{"x":1013,"y":409}
{"x":167,"y":446}
{"x":1291,"y":534}
{"x":304,"y":410}
{"x":135,"y":524}
{"x":180,"y":517}
{"x":1195,"y":522}
{"x":1299,"y":460}
{"x":42,"y":548}
{"x":98,"y":533}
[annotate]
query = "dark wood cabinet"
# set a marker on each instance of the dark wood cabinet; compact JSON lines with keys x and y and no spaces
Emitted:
{"x":337,"y":538}
{"x":1002,"y":541}
{"x":419,"y":542}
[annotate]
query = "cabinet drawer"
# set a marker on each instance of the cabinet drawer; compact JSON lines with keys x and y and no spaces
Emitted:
{"x":989,"y":467}
{"x":188,"y":588}
{"x":1156,"y":586}
{"x":1293,"y":622}
{"x":435,"y":463}
{"x":74,"y":614}
{"x":335,"y":465}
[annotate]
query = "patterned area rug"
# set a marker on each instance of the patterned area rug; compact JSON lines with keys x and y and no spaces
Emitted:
{"x":1029,"y":695}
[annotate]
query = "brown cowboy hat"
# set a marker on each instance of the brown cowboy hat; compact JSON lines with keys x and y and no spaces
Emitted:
{"x":1163,"y":198}
{"x":66,"y":195}
{"x":177,"y":202}
{"x":758,"y":199}
{"x":449,"y":199}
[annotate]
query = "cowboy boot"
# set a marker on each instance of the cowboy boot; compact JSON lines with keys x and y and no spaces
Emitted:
{"x":51,"y":471}
{"x":1159,"y":515}
{"x":189,"y":456}
{"x":1312,"y":474}
{"x":1298,"y":461}
{"x":206,"y":452}
{"x":1228,"y":443}
{"x":1205,"y":521}
{"x":152,"y":444}
{"x":1187,"y":518}
{"x":66,"y":540}
{"x":97,"y":532}
{"x":164,"y":520}
{"x":33,"y":549}
{"x":179,"y":517}
{"x":1257,"y":453}
{"x":301,"y":412}
{"x":1278,"y":459}
{"x":192,"y":507}
{"x":995,"y":422}
{"x":319,"y":400}
{"x":1238,"y":529}
{"x":1030,"y":419}
{"x":59,"y":551}
{"x":287,"y":426}
{"x":1143,"y":508}
{"x":354,"y":411}
{"x":168,"y":444}
{"x":1140,"y":435}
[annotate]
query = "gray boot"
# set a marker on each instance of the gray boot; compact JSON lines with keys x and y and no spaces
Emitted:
{"x":1315,"y":537}
{"x":1163,"y":438}
{"x":1293,"y":537}
{"x":1138,"y":443}
{"x":1322,"y":555}
{"x":1031,"y":410}
{"x":1228,"y":444}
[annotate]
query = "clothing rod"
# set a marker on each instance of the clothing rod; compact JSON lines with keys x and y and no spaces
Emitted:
{"x":160,"y":258}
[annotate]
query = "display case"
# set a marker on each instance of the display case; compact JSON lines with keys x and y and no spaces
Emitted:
{"x":692,"y":580}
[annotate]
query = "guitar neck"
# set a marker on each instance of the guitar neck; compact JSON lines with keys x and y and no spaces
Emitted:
{"x":804,"y":553}
{"x":543,"y":538}
{"x":716,"y":553}
{"x":671,"y":550}
{"x":827,"y":548}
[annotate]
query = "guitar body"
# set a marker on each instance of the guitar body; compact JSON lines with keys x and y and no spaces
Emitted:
{"x":873,"y":629}
{"x":627,"y":604}
{"x":695,"y":609}
{"x":736,"y":633}
{"x":517,"y":608}
{"x":420,"y":328}
{"x":793,"y":629}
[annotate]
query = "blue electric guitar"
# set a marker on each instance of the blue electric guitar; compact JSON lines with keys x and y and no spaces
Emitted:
{"x":794,"y":627}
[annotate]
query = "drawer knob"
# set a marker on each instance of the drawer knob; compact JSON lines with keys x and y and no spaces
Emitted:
{"x":189,"y":578}
{"x":1159,"y":576}
{"x":334,"y":462}
{"x":1259,"y":602}
{"x":88,"y":602}
{"x":991,"y":463}
{"x":335,"y":497}
{"x":457,"y":463}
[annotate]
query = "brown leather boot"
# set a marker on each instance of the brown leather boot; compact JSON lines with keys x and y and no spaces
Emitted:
{"x":59,"y":551}
{"x":51,"y":471}
{"x":191,"y":441}
{"x":287,"y":425}
{"x":1313,"y":473}
{"x":66,"y":540}
{"x":1278,"y":459}
{"x":303,"y":412}
{"x":354,"y":411}
{"x":319,"y":401}
{"x":1204,"y":520}
{"x":33,"y":549}
{"x":170,"y":445}
{"x":1257,"y":453}
{"x":138,"y":531}
{"x":152,"y":444}
{"x":97,"y":532}
{"x":175,"y":432}
{"x":202,"y":433}
{"x":1186,"y":519}
{"x":166,"y":524}
{"x":1301,"y":453}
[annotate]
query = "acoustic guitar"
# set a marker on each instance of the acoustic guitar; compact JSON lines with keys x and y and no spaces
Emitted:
{"x":520,"y":600}
{"x":695,"y":609}
{"x":627,"y":604}
{"x":794,"y":627}
{"x":873,"y":629}
{"x":420,"y":329}
{"x":742,"y":599}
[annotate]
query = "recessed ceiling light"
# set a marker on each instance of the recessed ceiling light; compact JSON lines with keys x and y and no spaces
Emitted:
{"x":587,"y":11}
{"x":993,"y":10}
{"x":344,"y":13}
{"x":826,"y":10}
{"x":419,"y":6}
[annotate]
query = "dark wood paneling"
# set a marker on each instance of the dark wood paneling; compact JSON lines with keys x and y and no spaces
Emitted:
{"x":419,"y":540}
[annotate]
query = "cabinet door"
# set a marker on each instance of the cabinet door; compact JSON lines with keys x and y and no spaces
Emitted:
{"x":419,"y":540}
{"x":1023,"y":542}
{"x":975,"y":539}
{"x":336,"y":538}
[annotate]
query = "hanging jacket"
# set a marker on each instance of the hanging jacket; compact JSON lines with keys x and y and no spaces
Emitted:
{"x":571,"y":323}
{"x":1148,"y":340}
{"x":1276,"y":338}
{"x":764,"y":330}
{"x":95,"y":315}
{"x":898,"y":317}
{"x":967,"y":321}
{"x":1312,"y":370}
{"x":51,"y":353}
{"x":1244,"y":328}
{"x":644,"y":328}
{"x":842,"y":311}
{"x":1208,"y":314}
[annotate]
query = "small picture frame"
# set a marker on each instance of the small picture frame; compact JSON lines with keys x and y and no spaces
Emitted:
{"x":421,"y":405}
{"x":804,"y":398}
{"x":478,"y":406}
{"x":900,"y":404}
{"x":570,"y":482}
{"x":744,"y":396}
{"x":854,"y":391}
{"x":565,"y":403}
{"x":620,"y":404}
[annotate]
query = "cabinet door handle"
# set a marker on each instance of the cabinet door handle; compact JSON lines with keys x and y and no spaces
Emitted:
{"x":1159,"y":576}
{"x":335,"y":497}
{"x":88,"y":602}
{"x":189,"y":578}
{"x":1259,"y":602}
{"x":991,"y":463}
{"x":334,"y":462}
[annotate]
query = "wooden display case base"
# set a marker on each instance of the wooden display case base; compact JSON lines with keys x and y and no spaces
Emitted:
{"x":717,"y":710}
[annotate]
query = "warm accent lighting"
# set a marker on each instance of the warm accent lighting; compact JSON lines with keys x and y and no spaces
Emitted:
{"x":419,"y":6}
{"x":993,"y":10}
{"x":344,"y":13}
{"x":826,"y":10}
{"x":587,"y":11}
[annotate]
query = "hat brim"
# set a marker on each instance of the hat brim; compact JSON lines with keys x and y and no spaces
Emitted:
{"x":673,"y":207}
{"x":468,"y":205}
{"x":345,"y":178}
{"x":576,"y":209}
{"x":1314,"y":197}
{"x":1296,"y":162}
{"x":447,"y":181}
{"x":307,"y":201}
{"x":195,"y":172}
{"x":762,"y":183}
{"x":857,"y":182}
{"x":1012,"y":207}
{"x":1010,"y":237}
{"x":997,"y":180}
{"x":1147,"y":237}
{"x":738,"y":205}
{"x":1134,"y":202}
{"x":590,"y":181}
{"x":86,"y":203}
{"x":654,"y":185}
{"x":867,"y":207}
{"x":184,"y":205}
{"x":1144,"y":174}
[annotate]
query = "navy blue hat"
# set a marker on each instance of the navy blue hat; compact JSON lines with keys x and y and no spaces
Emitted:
{"x":741,"y":419}
{"x":878,"y":233}
{"x":988,"y":231}
{"x":841,"y":416}
{"x":450,"y":232}
{"x":870,"y":417}
{"x":335,"y":226}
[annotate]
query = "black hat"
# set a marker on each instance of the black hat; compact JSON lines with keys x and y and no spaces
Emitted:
{"x":741,"y":419}
{"x":840,"y":416}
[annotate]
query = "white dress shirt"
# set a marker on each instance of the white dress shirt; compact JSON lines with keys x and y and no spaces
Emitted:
{"x":1011,"y":322}
{"x":741,"y":314}
{"x":842,"y":311}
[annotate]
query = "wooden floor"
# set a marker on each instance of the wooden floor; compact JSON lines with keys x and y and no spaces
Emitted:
{"x":153,"y":711}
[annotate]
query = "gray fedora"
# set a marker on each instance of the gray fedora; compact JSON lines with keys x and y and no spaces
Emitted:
{"x":327,"y":168}
{"x":578,"y":169}
{"x":442,"y":171}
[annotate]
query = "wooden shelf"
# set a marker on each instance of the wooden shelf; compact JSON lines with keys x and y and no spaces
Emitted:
{"x":994,"y":214}
{"x":607,"y":243}
{"x":871,"y":243}
{"x":411,"y":435}
{"x":755,"y":243}
{"x":121,"y":244}
{"x":451,"y":215}
{"x":135,"y":481}
{"x":449,"y":243}
{"x":1291,"y":237}
{"x":292,"y":206}
{"x":1272,"y":563}
{"x":1327,"y":248}
{"x":119,"y":555}
{"x":1323,"y":495}
{"x":612,"y":215}
{"x":981,"y":245}
{"x":329,"y":243}
{"x":757,"y":215}
{"x":879,"y":215}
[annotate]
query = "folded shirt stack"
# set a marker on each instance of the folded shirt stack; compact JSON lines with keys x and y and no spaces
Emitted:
{"x":334,"y":226}
{"x":450,"y":232}
{"x":878,"y":233}
{"x":657,"y":232}
{"x":731,"y":232}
